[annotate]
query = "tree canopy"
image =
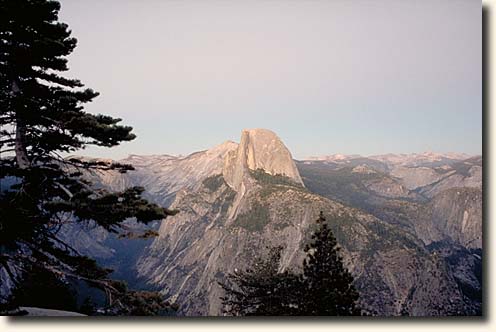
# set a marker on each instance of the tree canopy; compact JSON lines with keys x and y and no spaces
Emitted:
{"x":42,"y":117}
{"x":324,"y":287}
{"x":262,"y":290}
{"x":328,"y":285}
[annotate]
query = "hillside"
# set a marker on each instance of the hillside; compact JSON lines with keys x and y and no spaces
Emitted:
{"x":410,"y":252}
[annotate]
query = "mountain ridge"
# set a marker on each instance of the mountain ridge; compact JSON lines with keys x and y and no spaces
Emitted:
{"x":236,"y":198}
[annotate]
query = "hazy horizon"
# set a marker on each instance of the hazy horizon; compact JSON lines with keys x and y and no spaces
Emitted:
{"x":181,"y":155}
{"x":328,"y":77}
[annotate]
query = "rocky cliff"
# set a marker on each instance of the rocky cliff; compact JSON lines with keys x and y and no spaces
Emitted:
{"x":442,"y":209}
{"x":257,"y":201}
{"x":198,"y":247}
{"x":454,"y":215}
{"x":413,"y":249}
{"x":259,"y":149}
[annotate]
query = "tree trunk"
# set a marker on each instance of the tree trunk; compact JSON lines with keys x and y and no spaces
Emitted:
{"x":20,"y":139}
{"x":20,"y":146}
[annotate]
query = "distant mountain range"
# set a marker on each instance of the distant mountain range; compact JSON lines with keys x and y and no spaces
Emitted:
{"x":405,"y":159}
{"x":410,"y":225}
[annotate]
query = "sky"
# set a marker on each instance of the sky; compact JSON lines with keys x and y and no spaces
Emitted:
{"x":353,"y":77}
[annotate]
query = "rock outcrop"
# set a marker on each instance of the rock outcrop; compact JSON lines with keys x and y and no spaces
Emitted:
{"x":454,"y":215}
{"x":397,"y":233}
{"x":416,"y":177}
{"x":258,"y":200}
{"x":259,"y":149}
{"x":163,"y":176}
{"x":198,"y":247}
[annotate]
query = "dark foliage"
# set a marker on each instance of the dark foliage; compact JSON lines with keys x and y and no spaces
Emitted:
{"x":255,"y":220}
{"x":324,"y":288}
{"x":44,"y":289}
{"x":329,"y":289}
{"x":88,"y":307}
{"x":262,"y":290}
{"x":276,"y":179}
{"x":142,"y":303}
{"x":42,"y":116}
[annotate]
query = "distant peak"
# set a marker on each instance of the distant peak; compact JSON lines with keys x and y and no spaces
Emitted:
{"x":227,"y":143}
{"x":223,"y":147}
{"x":259,"y":149}
{"x":149,"y":156}
{"x":259,"y":131}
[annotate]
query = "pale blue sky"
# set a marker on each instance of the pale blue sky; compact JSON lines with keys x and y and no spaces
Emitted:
{"x":349,"y":76}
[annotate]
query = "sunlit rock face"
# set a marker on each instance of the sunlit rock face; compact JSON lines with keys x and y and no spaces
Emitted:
{"x":163,"y":176}
{"x":259,"y":149}
{"x":409,"y":226}
{"x":229,"y":218}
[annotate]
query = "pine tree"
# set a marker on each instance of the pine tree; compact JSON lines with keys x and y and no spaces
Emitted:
{"x":262,"y":290}
{"x":328,"y":285}
{"x":42,"y":117}
{"x":324,"y":288}
{"x":42,"y":288}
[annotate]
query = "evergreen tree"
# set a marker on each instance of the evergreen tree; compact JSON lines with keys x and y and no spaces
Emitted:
{"x":42,"y":117}
{"x":328,"y":285}
{"x":44,"y":289}
{"x":262,"y":290}
{"x":324,"y":288}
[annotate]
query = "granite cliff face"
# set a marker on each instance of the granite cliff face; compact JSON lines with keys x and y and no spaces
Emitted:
{"x":442,"y":209}
{"x":259,"y":149}
{"x":259,"y":200}
{"x":201,"y":245}
{"x":414,"y":247}
{"x":198,"y":248}
{"x":437,"y":197}
{"x":454,"y":215}
{"x":163,"y":176}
